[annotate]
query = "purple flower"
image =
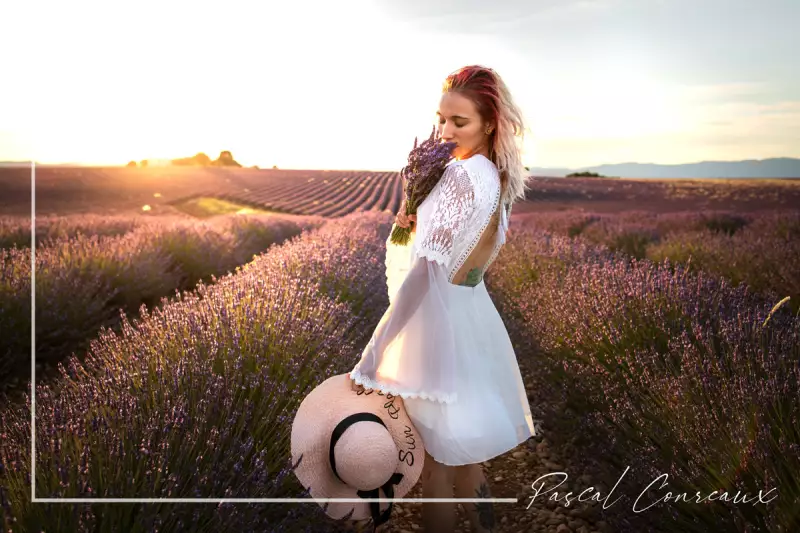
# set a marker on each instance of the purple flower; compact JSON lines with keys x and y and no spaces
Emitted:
{"x":426,"y":164}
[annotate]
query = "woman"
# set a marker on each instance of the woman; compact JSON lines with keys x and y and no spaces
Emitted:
{"x":441,"y":345}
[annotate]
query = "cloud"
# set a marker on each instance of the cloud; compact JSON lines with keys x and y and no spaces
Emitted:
{"x":673,"y":124}
{"x":791,"y":108}
{"x":751,"y":122}
{"x":727,"y":90}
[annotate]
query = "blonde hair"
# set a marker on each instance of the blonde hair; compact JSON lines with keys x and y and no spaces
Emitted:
{"x":487,"y":90}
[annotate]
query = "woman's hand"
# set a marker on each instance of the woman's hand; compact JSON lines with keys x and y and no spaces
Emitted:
{"x":355,"y":387}
{"x":404,"y":220}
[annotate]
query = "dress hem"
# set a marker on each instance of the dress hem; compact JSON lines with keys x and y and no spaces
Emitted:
{"x":368,"y":383}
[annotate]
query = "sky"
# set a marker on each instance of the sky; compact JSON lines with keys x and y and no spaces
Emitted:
{"x":349,"y":84}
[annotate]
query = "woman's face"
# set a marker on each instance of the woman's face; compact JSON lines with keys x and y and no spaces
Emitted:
{"x":460,"y":122}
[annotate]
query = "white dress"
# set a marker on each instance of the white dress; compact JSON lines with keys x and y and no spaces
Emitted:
{"x":441,"y":346}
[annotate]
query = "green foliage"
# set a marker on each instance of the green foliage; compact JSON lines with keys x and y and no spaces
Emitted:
{"x":725,"y":223}
{"x":576,"y":229}
{"x":632,"y":243}
{"x":200,"y":159}
{"x":585,"y":174}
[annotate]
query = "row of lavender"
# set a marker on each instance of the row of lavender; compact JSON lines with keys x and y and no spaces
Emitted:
{"x":16,"y":231}
{"x":669,"y":371}
{"x":328,"y":194}
{"x":760,"y":249}
{"x":196,"y":399}
{"x":88,"y":268}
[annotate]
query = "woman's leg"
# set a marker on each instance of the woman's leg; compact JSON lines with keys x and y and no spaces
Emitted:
{"x":437,"y":482}
{"x":471,"y":483}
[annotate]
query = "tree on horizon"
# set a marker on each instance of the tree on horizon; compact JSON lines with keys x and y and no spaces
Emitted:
{"x":200,"y":159}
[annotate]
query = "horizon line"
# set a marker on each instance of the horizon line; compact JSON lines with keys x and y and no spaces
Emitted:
{"x":28,"y":162}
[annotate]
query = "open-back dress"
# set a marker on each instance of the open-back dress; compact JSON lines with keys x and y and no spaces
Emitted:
{"x":441,"y":345}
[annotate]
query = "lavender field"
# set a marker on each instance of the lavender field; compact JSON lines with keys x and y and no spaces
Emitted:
{"x":760,"y":249}
{"x":122,"y":190}
{"x":89,"y":268}
{"x":179,"y":351}
{"x":334,"y":193}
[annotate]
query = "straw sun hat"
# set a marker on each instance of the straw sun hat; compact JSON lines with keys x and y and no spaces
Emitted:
{"x":348,"y":444}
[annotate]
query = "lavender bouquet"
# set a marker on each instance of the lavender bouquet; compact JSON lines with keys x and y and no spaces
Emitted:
{"x":426,"y":164}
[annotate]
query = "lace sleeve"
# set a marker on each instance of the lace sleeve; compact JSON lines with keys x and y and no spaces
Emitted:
{"x":412,"y":352}
{"x":452,"y":209}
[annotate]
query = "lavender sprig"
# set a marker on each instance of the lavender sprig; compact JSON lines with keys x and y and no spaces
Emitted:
{"x":426,"y":164}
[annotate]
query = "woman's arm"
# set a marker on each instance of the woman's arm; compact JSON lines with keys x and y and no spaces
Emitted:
{"x":412,"y":351}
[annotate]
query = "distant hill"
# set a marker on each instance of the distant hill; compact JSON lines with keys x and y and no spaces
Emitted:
{"x":783,"y":167}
